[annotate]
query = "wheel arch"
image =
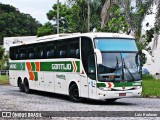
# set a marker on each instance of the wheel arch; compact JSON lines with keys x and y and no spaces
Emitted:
{"x":74,"y":82}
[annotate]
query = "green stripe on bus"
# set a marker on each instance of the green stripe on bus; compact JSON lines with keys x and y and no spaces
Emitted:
{"x":65,"y":66}
{"x":35,"y":76}
{"x":33,"y":66}
{"x":17,"y":66}
{"x":127,"y":84}
{"x":101,"y":85}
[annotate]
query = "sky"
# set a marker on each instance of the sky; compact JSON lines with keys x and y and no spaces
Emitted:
{"x":36,"y":8}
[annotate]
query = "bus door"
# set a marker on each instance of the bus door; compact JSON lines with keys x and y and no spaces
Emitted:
{"x":88,"y":61}
{"x":92,"y":76}
{"x":84,"y":84}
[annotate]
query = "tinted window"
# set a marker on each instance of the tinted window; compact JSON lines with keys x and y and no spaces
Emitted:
{"x":22,"y":53}
{"x":74,"y":48}
{"x":62,"y":49}
{"x":50,"y":51}
{"x":40,"y":52}
{"x":86,"y":50}
{"x":13,"y":51}
{"x":31,"y":52}
{"x":91,"y":67}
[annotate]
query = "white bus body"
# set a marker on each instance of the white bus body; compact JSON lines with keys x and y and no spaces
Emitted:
{"x":89,"y":65}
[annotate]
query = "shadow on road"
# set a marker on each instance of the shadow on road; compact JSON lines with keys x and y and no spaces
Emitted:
{"x":84,"y":101}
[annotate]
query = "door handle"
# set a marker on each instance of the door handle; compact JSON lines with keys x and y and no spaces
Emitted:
{"x":50,"y":82}
{"x":42,"y":81}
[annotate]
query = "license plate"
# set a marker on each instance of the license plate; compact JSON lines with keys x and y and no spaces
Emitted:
{"x":122,"y":94}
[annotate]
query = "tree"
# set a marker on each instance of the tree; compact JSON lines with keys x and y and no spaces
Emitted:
{"x":46,"y":29}
{"x":105,"y":14}
{"x":157,"y":24}
{"x":3,"y":59}
{"x":116,"y":23}
{"x":1,"y":53}
{"x":64,"y":16}
{"x":15,"y":23}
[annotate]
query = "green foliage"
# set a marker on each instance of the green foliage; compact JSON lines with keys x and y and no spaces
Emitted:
{"x":64,"y":12}
{"x":46,"y":29}
{"x":3,"y":60}
{"x":149,"y":35}
{"x":1,"y":52}
{"x":143,"y":58}
{"x":14,"y":23}
{"x":71,"y":19}
{"x":117,"y":22}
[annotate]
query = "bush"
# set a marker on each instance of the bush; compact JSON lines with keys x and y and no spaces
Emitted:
{"x":147,"y":77}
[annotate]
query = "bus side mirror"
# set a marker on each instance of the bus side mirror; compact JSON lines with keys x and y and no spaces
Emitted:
{"x":98,"y":55}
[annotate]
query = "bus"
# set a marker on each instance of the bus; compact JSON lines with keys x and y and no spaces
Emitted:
{"x":101,"y":66}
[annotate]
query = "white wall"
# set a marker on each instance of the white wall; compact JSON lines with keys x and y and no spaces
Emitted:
{"x":153,"y":63}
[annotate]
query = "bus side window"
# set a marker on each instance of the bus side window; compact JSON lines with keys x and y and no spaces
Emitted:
{"x":31,"y":52}
{"x":16,"y":58}
{"x":62,"y":49}
{"x":22,"y":53}
{"x":16,"y":54}
{"x":40,"y":52}
{"x":74,"y":48}
{"x":86,"y":51}
{"x":50,"y":51}
{"x":31,"y":55}
{"x":77,"y":53}
{"x":12,"y":53}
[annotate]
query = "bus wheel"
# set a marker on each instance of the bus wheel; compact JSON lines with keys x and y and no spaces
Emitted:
{"x":74,"y":93}
{"x":110,"y":100}
{"x":20,"y":85}
{"x":26,"y":86}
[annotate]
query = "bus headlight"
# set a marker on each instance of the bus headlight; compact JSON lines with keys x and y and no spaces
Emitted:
{"x":104,"y":89}
{"x":137,"y":87}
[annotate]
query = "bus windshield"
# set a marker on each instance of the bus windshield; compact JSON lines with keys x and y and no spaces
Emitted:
{"x":120,"y":60}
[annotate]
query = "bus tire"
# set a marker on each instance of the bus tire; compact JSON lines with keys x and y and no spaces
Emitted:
{"x":111,"y":100}
{"x":20,"y":85}
{"x":26,"y":86}
{"x":74,"y":93}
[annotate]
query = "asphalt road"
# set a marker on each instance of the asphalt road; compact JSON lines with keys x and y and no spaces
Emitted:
{"x":13,"y":100}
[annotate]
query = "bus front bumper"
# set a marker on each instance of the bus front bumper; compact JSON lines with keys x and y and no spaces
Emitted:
{"x":102,"y":95}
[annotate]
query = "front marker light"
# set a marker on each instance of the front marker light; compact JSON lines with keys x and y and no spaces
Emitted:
{"x":104,"y":89}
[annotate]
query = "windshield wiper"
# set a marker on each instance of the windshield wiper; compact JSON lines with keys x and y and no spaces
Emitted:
{"x":117,"y":64}
{"x":124,"y":66}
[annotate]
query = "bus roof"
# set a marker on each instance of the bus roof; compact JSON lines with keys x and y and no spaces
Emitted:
{"x":73,"y":35}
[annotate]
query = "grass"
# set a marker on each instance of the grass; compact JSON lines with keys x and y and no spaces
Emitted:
{"x":3,"y":80}
{"x":150,"y":86}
